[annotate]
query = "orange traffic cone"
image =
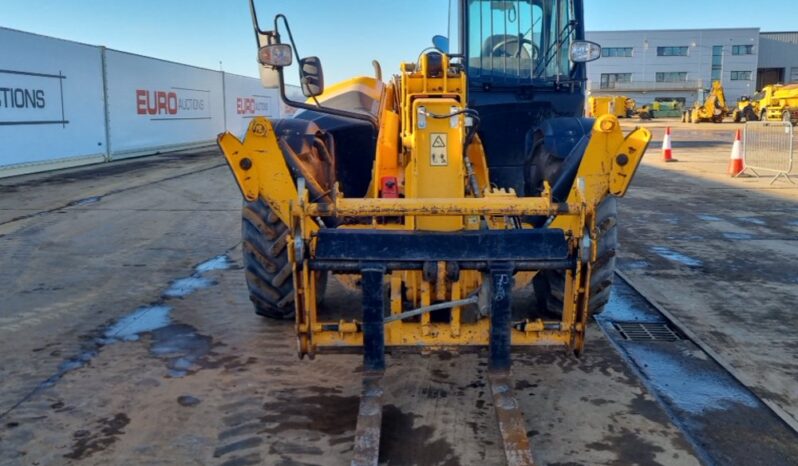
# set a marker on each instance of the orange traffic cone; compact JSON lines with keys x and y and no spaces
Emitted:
{"x":736,"y":162}
{"x":667,"y":150}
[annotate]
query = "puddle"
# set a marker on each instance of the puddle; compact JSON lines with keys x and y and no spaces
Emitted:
{"x":682,"y":237}
{"x":635,"y":265}
{"x":142,"y":320}
{"x":692,"y":389}
{"x":754,"y":220}
{"x":183,"y":287}
{"x":85,"y":201}
{"x":672,"y":255}
{"x":179,"y":344}
{"x":623,"y":307}
{"x":222,"y":262}
{"x":709,"y":218}
{"x":78,"y":361}
{"x":737,"y":236}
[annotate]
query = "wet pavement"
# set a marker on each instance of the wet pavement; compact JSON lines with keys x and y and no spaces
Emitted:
{"x":725,"y":422}
{"x":744,"y":233}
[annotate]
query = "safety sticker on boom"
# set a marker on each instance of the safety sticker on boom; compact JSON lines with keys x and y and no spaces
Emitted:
{"x":438,"y":156}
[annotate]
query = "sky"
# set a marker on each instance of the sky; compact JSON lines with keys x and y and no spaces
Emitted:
{"x":346,"y":34}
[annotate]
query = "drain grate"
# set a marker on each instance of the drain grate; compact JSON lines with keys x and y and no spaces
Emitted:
{"x":643,"y":331}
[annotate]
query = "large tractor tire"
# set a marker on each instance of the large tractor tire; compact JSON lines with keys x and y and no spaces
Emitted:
{"x":749,"y":114}
{"x":550,"y":285}
{"x":268,"y":272}
{"x":266,"y":265}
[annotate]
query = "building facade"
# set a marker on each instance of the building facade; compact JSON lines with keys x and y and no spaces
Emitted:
{"x":778,"y":58}
{"x":675,"y":64}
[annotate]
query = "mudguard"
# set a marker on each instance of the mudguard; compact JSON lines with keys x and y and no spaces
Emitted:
{"x":561,"y":135}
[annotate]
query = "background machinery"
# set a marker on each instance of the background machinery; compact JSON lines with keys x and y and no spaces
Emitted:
{"x":667,"y":107}
{"x":779,"y":102}
{"x":747,"y":109}
{"x":618,"y":105}
{"x":437,"y":188}
{"x":775,"y":102}
{"x":712,"y":109}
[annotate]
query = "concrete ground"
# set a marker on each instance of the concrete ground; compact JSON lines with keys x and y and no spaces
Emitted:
{"x":93,"y":256}
{"x":719,"y":253}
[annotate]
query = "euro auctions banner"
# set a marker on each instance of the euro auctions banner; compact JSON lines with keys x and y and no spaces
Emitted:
{"x":156,"y":105}
{"x":51,"y":103}
{"x":245,"y":98}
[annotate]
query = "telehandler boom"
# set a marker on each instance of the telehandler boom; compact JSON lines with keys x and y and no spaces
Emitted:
{"x":439,"y":188}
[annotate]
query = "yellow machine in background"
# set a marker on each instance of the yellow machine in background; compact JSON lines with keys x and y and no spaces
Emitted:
{"x":774,"y":102}
{"x":437,"y":188}
{"x":665,"y":107}
{"x":780,"y":102}
{"x":747,"y":109}
{"x":712,"y":109}
{"x":617,"y":105}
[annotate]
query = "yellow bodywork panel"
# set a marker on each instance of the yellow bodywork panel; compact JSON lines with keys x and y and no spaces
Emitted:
{"x":370,"y":88}
{"x":436,"y":164}
{"x":259,"y":167}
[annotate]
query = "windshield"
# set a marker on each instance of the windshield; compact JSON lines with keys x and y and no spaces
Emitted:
{"x":518,"y":41}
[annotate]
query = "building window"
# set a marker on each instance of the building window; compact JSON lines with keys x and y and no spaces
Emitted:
{"x":794,"y":74}
{"x":741,"y":75}
{"x":717,"y":62}
{"x":616,"y":52}
{"x":608,"y":80}
{"x":672,"y":77}
{"x":672,"y":51}
{"x":742,"y":49}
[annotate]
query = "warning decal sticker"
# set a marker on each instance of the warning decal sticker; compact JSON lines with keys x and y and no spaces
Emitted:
{"x":438,"y":155}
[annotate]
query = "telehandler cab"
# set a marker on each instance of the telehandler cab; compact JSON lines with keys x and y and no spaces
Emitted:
{"x":438,"y":187}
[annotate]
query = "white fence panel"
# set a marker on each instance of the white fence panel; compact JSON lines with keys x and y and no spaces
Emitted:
{"x":155,"y":105}
{"x":768,"y":147}
{"x":51,"y":103}
{"x":245,"y":98}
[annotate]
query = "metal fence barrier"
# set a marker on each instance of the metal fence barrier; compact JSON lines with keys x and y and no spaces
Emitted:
{"x":768,"y":147}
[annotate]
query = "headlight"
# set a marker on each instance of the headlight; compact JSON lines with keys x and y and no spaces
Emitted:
{"x":583,"y":51}
{"x":275,"y":55}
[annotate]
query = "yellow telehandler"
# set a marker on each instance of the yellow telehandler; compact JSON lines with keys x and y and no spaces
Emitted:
{"x":438,"y":187}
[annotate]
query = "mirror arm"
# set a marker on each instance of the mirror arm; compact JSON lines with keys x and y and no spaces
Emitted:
{"x":256,"y":25}
{"x":276,"y":35}
{"x":316,"y":108}
{"x":330,"y":111}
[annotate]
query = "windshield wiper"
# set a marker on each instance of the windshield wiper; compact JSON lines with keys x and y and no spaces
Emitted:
{"x":562,"y":36}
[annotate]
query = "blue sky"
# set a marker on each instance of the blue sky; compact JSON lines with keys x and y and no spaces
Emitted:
{"x":346,"y":34}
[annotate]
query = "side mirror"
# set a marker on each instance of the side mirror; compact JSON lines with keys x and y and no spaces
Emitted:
{"x":441,"y":43}
{"x":311,"y":76}
{"x":583,"y":51}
